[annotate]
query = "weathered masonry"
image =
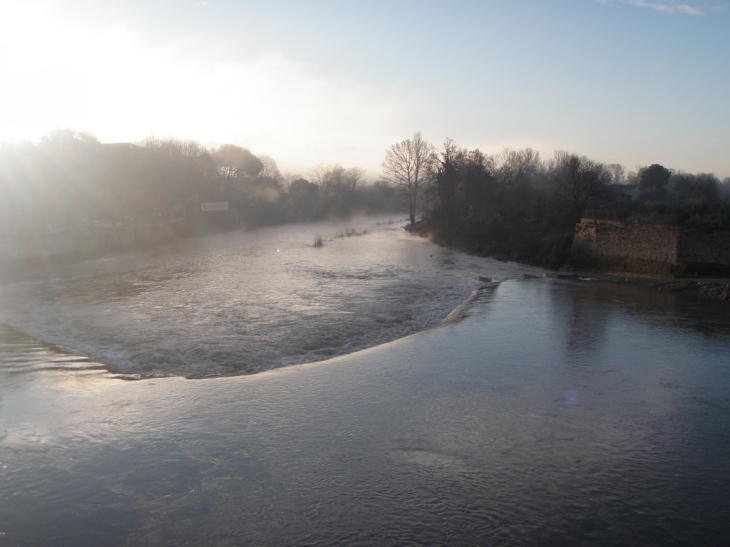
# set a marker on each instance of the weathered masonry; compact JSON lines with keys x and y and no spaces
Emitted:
{"x":658,"y":249}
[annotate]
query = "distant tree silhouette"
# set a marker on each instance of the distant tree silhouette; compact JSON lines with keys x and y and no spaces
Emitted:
{"x":511,"y":205}
{"x":583,"y":183}
{"x":302,"y":187}
{"x":618,"y":173}
{"x":270,"y":169}
{"x":407,"y":164}
{"x":724,"y":189}
{"x":708,"y":186}
{"x":517,"y":167}
{"x":338,"y":187}
{"x":66,"y":168}
{"x":465,"y":200}
{"x":235,"y":163}
{"x":174,"y":171}
{"x":447,"y":180}
{"x":653,"y":181}
{"x":336,"y":176}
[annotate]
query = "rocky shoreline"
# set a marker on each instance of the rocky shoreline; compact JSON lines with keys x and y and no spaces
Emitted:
{"x":709,"y":288}
{"x":714,"y":289}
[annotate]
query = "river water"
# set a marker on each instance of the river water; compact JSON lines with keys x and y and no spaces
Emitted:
{"x":244,"y":302}
{"x":549,"y":413}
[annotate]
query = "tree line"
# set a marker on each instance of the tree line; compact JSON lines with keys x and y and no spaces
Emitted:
{"x":69,"y":181}
{"x":514,"y":205}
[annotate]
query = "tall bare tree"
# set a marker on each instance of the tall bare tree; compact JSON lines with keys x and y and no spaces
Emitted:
{"x":407,"y":164}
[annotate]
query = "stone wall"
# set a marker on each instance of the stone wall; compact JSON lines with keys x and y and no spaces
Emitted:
{"x":656,"y":249}
{"x":704,"y":251}
{"x":626,"y":247}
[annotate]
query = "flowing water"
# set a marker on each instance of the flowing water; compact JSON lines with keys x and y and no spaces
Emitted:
{"x":547,"y":413}
{"x":242,"y":302}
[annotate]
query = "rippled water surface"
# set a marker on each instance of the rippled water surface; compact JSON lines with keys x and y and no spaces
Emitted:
{"x":244,"y":302}
{"x":552,"y":413}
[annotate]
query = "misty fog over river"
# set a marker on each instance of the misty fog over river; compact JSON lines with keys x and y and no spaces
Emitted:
{"x":552,"y":413}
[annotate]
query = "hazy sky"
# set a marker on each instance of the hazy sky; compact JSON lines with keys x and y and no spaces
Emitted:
{"x":307,"y":82}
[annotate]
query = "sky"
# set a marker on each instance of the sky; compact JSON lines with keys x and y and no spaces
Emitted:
{"x":314,"y":82}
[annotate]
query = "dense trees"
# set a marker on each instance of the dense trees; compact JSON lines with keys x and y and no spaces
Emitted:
{"x":70,"y":182}
{"x":331,"y":177}
{"x":337,"y":191}
{"x":517,"y":168}
{"x":42,"y":185}
{"x":686,"y":186}
{"x":581,"y":182}
{"x":497,"y":205}
{"x":513,"y":205}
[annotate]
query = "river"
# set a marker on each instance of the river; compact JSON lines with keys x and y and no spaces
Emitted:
{"x":549,"y":412}
{"x":243,"y":302}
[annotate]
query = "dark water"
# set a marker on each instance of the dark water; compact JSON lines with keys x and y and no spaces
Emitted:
{"x":553,"y":413}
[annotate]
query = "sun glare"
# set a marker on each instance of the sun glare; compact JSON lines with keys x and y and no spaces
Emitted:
{"x":103,"y":80}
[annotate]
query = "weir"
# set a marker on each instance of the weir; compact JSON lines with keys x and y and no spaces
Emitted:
{"x":553,"y":413}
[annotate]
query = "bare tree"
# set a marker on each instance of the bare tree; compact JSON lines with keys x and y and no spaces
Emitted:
{"x":517,"y":167}
{"x":582,"y":182}
{"x":617,"y":173}
{"x":335,"y":176}
{"x":407,"y":164}
{"x":270,"y":169}
{"x":187,"y":149}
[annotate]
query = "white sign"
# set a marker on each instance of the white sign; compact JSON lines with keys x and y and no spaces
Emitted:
{"x":214,"y":206}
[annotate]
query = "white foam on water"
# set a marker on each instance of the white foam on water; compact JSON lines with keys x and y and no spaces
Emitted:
{"x":244,"y":302}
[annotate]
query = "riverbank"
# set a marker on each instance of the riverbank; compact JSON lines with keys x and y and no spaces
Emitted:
{"x":714,"y":289}
{"x":708,"y":288}
{"x":545,"y":250}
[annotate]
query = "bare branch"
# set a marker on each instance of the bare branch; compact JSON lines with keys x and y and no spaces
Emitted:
{"x":407,"y":164}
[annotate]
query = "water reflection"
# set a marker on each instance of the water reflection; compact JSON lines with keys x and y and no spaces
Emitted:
{"x":586,"y":311}
{"x":24,"y":362}
{"x":585,"y":323}
{"x":109,"y":287}
{"x":499,"y":429}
